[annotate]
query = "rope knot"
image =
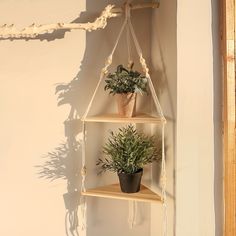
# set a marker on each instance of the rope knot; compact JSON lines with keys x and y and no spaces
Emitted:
{"x":127,"y":9}
{"x":83,"y":171}
{"x":163,"y":180}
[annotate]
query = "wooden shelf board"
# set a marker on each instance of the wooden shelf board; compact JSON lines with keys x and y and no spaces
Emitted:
{"x":113,"y":191}
{"x":115,"y":118}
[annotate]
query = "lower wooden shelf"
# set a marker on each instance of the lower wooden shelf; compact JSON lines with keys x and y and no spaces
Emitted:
{"x":113,"y":191}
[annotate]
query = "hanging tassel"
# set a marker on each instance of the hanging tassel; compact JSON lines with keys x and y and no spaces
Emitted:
{"x":132,"y":219}
{"x":163,"y":183}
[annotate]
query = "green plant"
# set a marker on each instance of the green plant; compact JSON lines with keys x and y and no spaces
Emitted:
{"x":126,"y":81}
{"x":128,"y":151}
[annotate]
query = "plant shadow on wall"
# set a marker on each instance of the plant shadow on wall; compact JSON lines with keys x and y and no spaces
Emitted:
{"x":63,"y":163}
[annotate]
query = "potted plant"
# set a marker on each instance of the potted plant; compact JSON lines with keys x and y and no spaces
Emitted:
{"x":125,"y":84}
{"x":127,"y":152}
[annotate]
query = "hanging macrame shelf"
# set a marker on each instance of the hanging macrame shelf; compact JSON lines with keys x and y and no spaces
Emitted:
{"x":113,"y":191}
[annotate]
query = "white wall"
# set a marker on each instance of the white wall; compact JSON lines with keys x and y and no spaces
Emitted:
{"x":189,"y":75}
{"x":195,"y":119}
{"x":32,"y":124}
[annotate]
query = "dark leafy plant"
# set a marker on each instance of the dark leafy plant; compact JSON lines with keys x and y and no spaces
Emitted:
{"x":126,"y":81}
{"x":128,"y":151}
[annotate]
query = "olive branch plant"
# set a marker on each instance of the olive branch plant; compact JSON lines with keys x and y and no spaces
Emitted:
{"x":128,"y":151}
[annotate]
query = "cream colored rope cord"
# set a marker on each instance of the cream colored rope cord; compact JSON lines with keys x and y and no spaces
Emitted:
{"x":133,"y":210}
{"x":104,"y":71}
{"x":163,"y":183}
{"x":133,"y":205}
{"x":159,"y":109}
{"x":146,"y":71}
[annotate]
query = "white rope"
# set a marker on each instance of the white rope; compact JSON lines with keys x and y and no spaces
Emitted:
{"x":133,"y":206}
{"x":158,"y":106}
{"x":119,"y":35}
{"x":127,"y":14}
{"x":130,"y":61}
{"x":163,"y":183}
{"x":136,"y":43}
{"x":131,"y":215}
{"x":104,"y":70}
{"x":132,"y":218}
{"x":155,"y":99}
{"x":146,"y":71}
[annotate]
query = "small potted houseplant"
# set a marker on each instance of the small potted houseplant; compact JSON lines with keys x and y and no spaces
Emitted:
{"x":125,"y":84}
{"x":127,"y":152}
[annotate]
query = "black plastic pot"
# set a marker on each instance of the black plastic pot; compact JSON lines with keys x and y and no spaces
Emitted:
{"x":130,"y":183}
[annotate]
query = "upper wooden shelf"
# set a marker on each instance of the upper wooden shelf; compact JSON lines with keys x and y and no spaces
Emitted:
{"x":113,"y":191}
{"x":115,"y":118}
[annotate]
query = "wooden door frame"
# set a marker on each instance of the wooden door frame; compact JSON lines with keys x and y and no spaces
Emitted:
{"x":228,"y":22}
